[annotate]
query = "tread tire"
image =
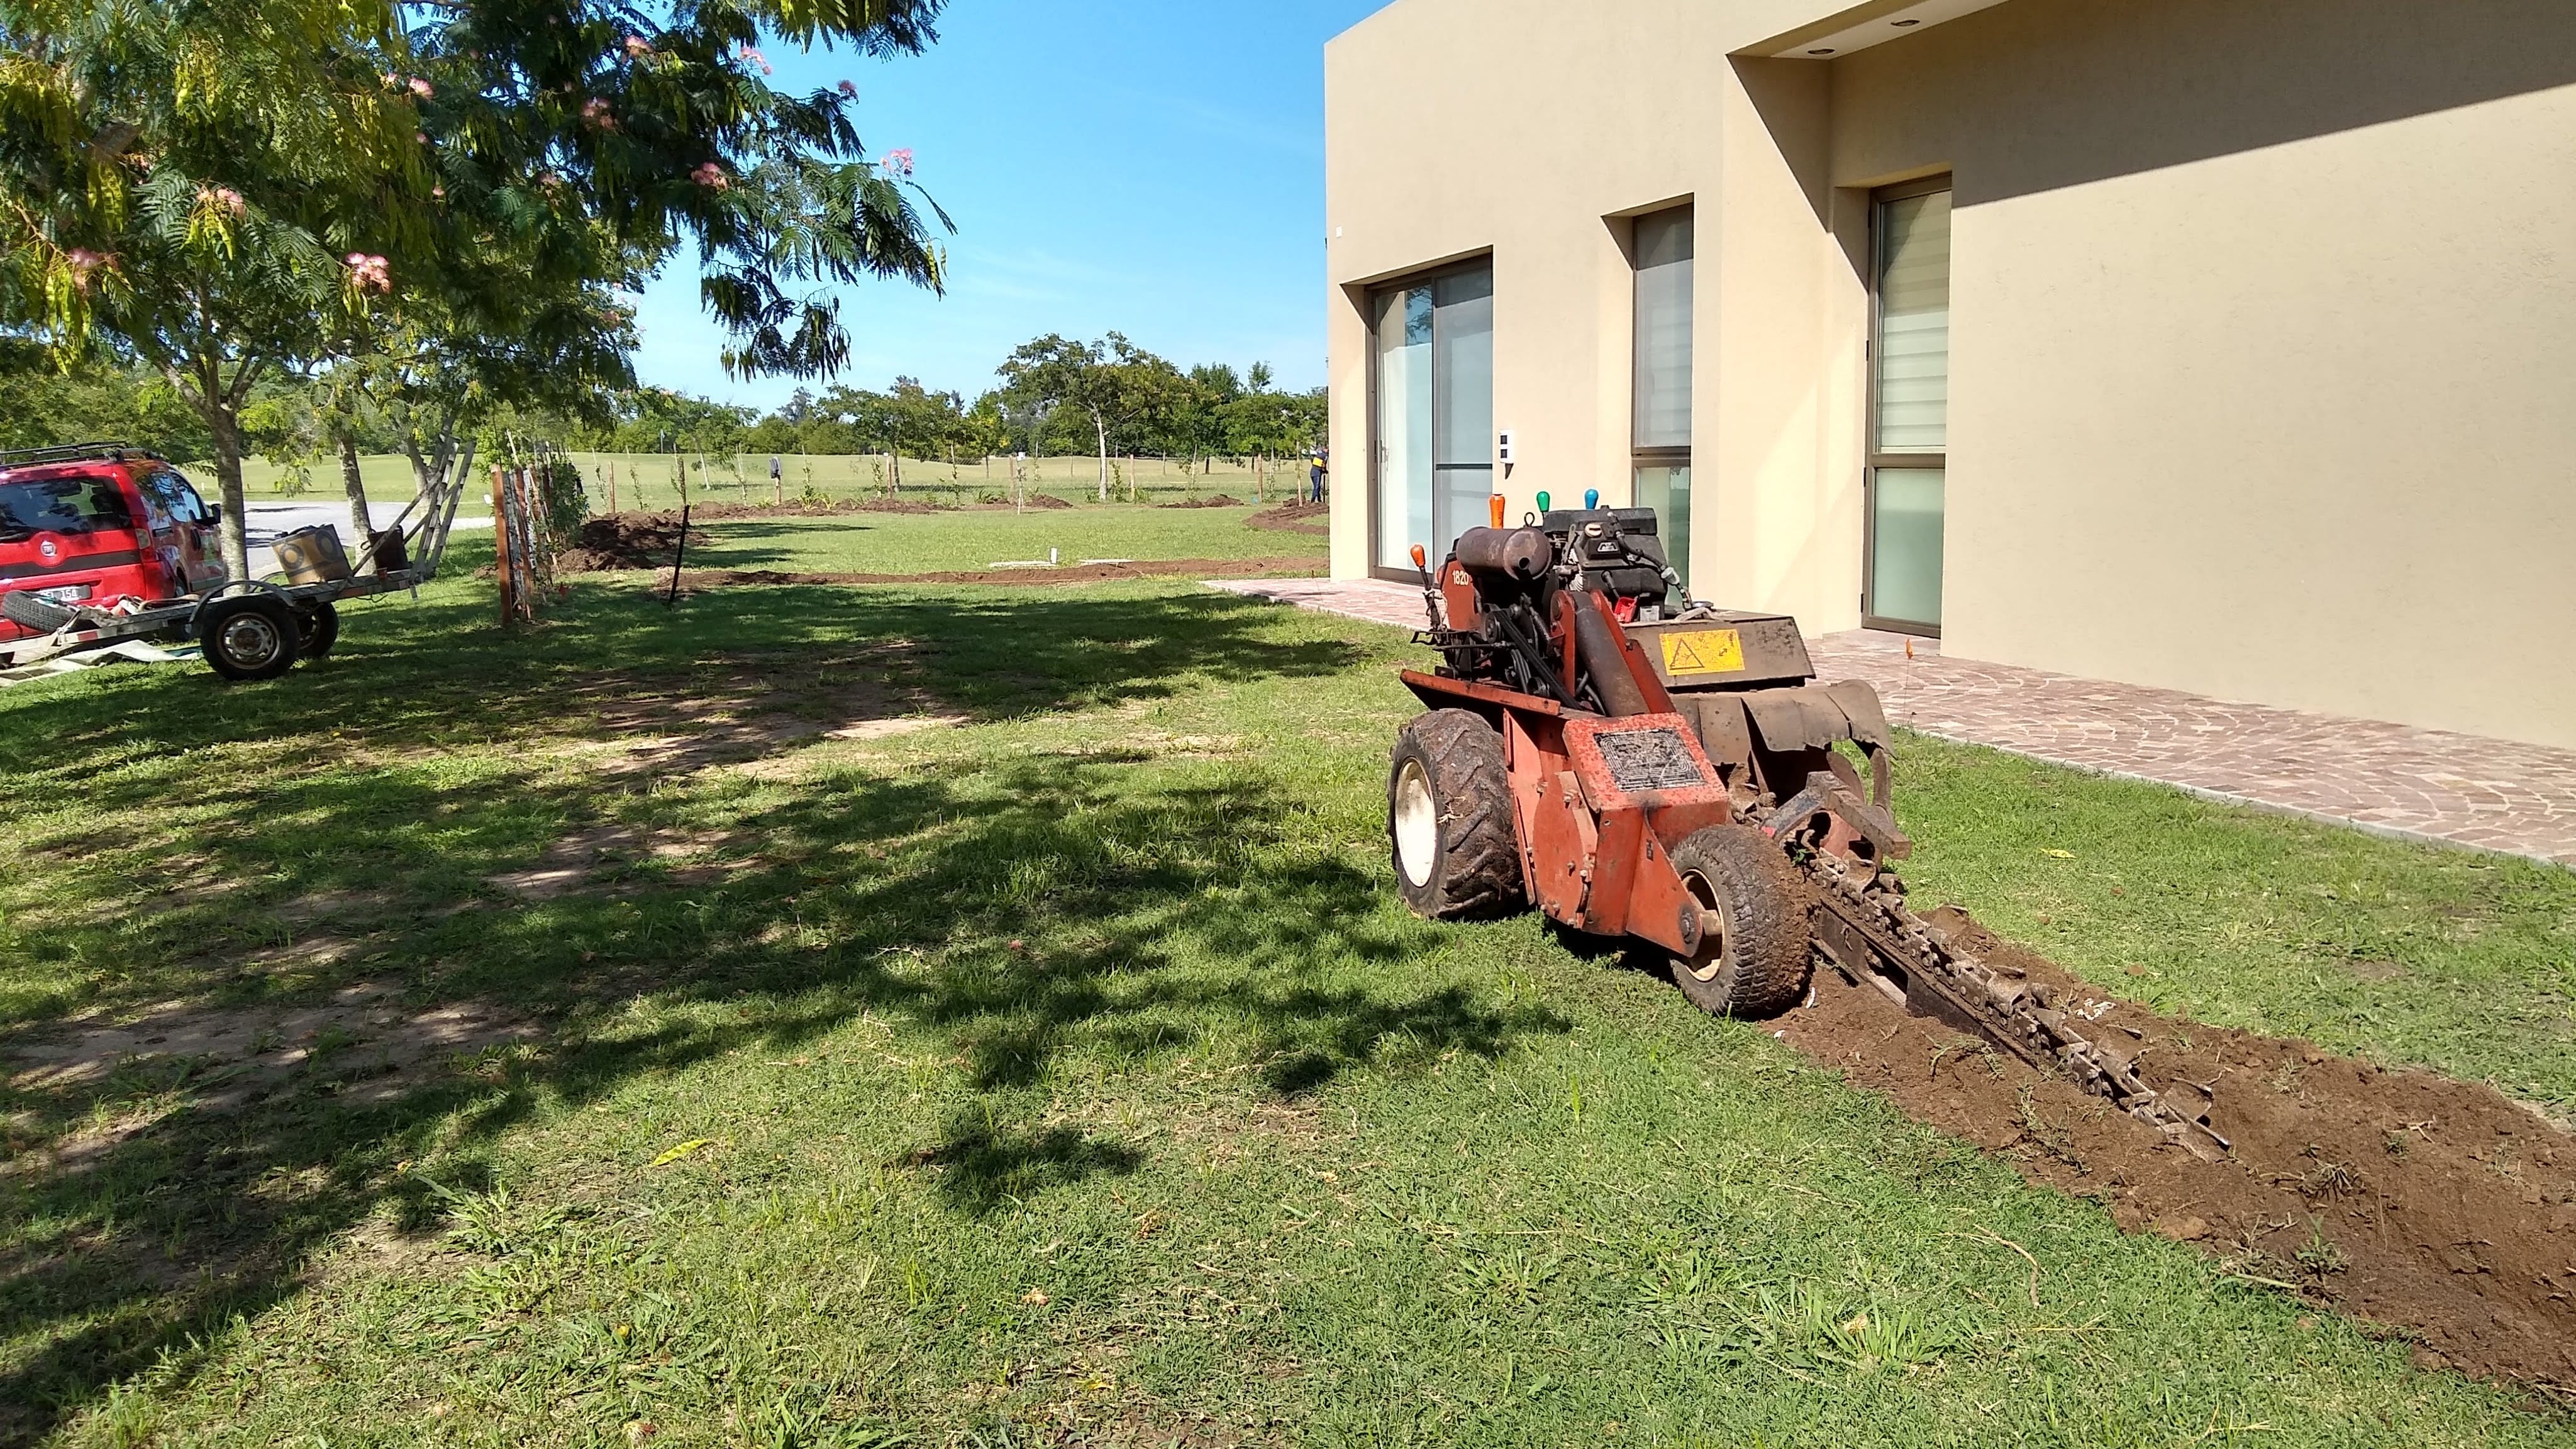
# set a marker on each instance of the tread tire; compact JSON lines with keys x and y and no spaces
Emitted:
{"x":24,"y":609}
{"x":1474,"y":854}
{"x":215,"y":632}
{"x":1758,"y":966}
{"x":320,"y":624}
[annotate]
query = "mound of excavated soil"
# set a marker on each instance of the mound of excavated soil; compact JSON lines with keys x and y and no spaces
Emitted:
{"x":2435,"y":1208}
{"x":1219,"y":501}
{"x":626,"y":541}
{"x":1293,"y":518}
{"x":700,"y":580}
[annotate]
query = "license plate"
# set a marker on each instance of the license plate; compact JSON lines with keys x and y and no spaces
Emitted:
{"x":68,"y":594}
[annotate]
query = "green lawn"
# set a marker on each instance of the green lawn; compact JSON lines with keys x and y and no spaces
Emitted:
{"x":1044,"y":1058}
{"x":908,"y":543}
{"x":652,"y":480}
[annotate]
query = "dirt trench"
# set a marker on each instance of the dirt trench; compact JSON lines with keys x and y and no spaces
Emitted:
{"x":2437,"y":1210}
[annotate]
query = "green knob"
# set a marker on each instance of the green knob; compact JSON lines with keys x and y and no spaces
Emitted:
{"x":1542,"y":505}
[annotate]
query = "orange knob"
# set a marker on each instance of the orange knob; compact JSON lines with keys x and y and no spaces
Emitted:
{"x":1421,"y":558}
{"x":1496,"y":503}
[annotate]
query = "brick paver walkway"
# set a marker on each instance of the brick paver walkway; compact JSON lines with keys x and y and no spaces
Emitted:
{"x":2389,"y":779}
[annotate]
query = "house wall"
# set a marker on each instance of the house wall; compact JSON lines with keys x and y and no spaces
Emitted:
{"x":2263,"y":330}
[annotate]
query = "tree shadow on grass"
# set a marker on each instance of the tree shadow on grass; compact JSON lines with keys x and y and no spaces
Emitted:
{"x":1154,"y":903}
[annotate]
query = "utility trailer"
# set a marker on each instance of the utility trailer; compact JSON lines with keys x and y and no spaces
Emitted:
{"x":248,"y":628}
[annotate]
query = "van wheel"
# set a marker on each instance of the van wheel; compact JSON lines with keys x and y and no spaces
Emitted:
{"x":249,"y":636}
{"x":320,"y":625}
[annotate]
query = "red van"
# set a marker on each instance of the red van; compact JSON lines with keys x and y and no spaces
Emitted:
{"x":98,"y":522}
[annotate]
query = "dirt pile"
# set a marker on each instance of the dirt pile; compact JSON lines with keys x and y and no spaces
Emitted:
{"x":1293,"y":517}
{"x":1222,"y":500}
{"x":701,"y":580}
{"x":2434,"y":1208}
{"x":626,"y":541}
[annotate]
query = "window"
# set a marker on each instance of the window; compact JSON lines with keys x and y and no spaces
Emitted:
{"x":171,"y":494}
{"x":1909,"y":406}
{"x":1433,"y":393}
{"x":62,"y":505}
{"x":1660,"y":446}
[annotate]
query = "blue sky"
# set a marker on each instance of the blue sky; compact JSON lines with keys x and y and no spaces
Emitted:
{"x":1152,"y":166}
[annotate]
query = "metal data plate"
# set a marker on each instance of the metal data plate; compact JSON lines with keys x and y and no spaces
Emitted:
{"x":1648,"y":759}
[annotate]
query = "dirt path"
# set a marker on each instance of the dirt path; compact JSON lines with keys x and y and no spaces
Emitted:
{"x":2437,"y":1209}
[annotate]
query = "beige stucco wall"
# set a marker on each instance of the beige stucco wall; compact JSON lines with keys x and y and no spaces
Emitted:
{"x":2264,"y":316}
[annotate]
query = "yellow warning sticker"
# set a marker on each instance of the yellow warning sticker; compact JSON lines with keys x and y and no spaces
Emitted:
{"x":1707,"y":651}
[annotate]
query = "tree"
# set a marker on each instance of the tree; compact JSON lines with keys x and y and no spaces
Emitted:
{"x":42,"y":404}
{"x":1112,"y":382}
{"x":227,"y":188}
{"x":1198,"y":424}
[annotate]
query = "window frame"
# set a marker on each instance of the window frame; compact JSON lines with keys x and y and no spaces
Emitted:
{"x":1641,"y":456}
{"x":1876,"y":458}
{"x":1371,"y":303}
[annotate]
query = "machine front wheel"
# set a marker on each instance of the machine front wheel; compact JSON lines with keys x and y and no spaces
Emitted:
{"x":1449,"y":818}
{"x":1754,"y":923}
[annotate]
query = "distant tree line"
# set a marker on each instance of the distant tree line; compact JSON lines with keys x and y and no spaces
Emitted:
{"x":1105,"y":399}
{"x":1055,"y":398}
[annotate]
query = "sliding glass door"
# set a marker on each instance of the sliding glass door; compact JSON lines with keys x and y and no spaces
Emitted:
{"x":1910,"y":408}
{"x":1434,"y":413}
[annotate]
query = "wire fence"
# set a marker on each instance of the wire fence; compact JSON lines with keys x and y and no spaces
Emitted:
{"x":646,"y":481}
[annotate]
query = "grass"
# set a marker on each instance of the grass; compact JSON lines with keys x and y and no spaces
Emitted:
{"x":974,"y":539}
{"x":1067,"y":1071}
{"x":651,"y":480}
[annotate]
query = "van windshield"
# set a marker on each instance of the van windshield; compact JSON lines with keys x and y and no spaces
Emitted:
{"x":61,"y":505}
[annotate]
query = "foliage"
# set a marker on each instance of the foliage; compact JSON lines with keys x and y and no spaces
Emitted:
{"x":226,"y":188}
{"x":42,"y":404}
{"x":561,"y":499}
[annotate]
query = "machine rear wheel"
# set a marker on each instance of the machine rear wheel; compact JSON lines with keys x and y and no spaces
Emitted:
{"x":1753,"y":957}
{"x":250,"y":636}
{"x":1449,"y":819}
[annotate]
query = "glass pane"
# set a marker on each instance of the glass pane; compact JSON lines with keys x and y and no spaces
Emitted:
{"x":1667,"y":491}
{"x":1914,"y":324}
{"x":1463,"y":369}
{"x":1463,"y":495}
{"x":1403,"y":345}
{"x":1664,"y":330}
{"x":1905,"y":545}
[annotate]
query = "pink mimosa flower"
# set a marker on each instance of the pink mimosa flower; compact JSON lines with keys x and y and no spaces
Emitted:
{"x":595,"y":111}
{"x":422,"y":88}
{"x":226,"y":198}
{"x":898,"y":163}
{"x":637,"y":48}
{"x":849,"y":89}
{"x":753,"y":57}
{"x":709,"y":174}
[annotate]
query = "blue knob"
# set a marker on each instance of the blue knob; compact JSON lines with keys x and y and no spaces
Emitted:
{"x":1591,"y":498}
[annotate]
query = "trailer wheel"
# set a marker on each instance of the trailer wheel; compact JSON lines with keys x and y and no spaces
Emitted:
{"x":320,"y":625}
{"x":1753,"y":957}
{"x":1449,"y":819}
{"x":249,"y":636}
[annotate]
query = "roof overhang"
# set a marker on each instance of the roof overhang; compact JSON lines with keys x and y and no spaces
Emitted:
{"x":1862,"y":26}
